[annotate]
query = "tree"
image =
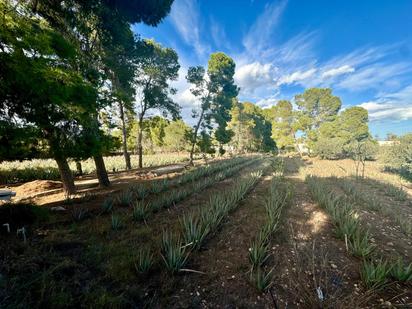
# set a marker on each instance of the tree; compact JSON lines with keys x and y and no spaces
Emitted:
{"x":215,"y":92}
{"x":315,"y":106}
{"x":177,"y":135}
{"x":350,"y":126}
{"x":398,"y":156}
{"x":281,"y":117}
{"x":40,"y":83}
{"x":252,"y":132}
{"x":360,"y":151}
{"x":153,"y":74}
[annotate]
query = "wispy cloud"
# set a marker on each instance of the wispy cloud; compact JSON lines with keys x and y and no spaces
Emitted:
{"x":344,"y":69}
{"x":296,"y":77}
{"x":393,"y":106}
{"x":257,"y":38}
{"x":186,"y":19}
{"x":218,"y":34}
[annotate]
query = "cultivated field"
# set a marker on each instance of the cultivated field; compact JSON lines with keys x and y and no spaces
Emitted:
{"x":251,"y":231}
{"x":27,"y":170}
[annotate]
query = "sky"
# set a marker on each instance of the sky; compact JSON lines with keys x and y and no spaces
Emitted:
{"x":360,"y":49}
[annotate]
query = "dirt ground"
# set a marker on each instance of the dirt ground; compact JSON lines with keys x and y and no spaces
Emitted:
{"x":88,"y":264}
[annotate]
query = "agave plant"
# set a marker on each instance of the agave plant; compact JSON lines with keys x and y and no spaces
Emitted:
{"x":125,"y":198}
{"x":140,"y":211}
{"x":116,"y":223}
{"x":144,"y":261}
{"x":401,"y":271}
{"x":360,"y":244}
{"x":258,"y":253}
{"x":260,"y":279}
{"x":194,"y":231}
{"x":107,"y":205}
{"x":375,"y":274}
{"x":173,"y":252}
{"x":79,"y":213}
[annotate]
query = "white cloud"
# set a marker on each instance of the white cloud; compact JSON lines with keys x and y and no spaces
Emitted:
{"x":393,"y":106}
{"x":254,"y":75}
{"x":185,"y":18}
{"x":297,"y":76}
{"x":344,"y":69}
{"x":218,"y":34}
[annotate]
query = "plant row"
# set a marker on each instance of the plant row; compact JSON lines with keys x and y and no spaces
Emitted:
{"x":195,"y":228}
{"x":157,"y":186}
{"x":375,"y":272}
{"x":142,"y":209}
{"x":278,"y":197}
{"x":372,"y":203}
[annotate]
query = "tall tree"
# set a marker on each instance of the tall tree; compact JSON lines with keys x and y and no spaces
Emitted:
{"x":215,"y":92}
{"x":315,"y":106}
{"x":40,"y":83}
{"x":177,"y":135}
{"x":153,"y":75}
{"x":281,"y":117}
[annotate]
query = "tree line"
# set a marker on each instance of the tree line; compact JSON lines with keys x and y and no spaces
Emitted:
{"x":77,"y":83}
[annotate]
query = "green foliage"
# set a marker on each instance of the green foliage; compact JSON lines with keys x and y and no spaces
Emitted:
{"x":282,"y":118}
{"x":261,"y":279}
{"x":194,"y":231}
{"x":144,"y":261}
{"x":107,"y":205}
{"x":173,"y":252}
{"x":258,"y":253}
{"x":251,"y":131}
{"x":20,"y":214}
{"x":401,"y":272}
{"x":360,"y":244}
{"x":316,"y":106}
{"x":375,"y":274}
{"x":79,"y":213}
{"x":140,"y":211}
{"x":125,"y":198}
{"x":398,"y":156}
{"x":116,"y":223}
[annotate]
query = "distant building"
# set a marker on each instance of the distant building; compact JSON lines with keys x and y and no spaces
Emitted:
{"x":387,"y":143}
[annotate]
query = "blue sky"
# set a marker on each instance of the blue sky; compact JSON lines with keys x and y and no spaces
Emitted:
{"x":361,"y":49}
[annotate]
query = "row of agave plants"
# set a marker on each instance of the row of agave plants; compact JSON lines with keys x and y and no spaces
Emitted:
{"x":197,"y":226}
{"x":364,"y":199}
{"x":376,"y":271}
{"x":278,"y":197}
{"x":142,"y":210}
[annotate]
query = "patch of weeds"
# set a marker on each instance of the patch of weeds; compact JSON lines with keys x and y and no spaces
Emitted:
{"x":375,"y":274}
{"x":140,"y":190}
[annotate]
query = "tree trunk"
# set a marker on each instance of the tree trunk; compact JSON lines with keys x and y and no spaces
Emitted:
{"x":194,"y":139}
{"x":79,"y":170}
{"x":124,"y":135}
{"x":139,"y":142}
{"x":101,"y":171}
{"x":66,"y":175}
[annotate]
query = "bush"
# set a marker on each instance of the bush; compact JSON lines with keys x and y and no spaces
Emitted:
{"x":20,"y":214}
